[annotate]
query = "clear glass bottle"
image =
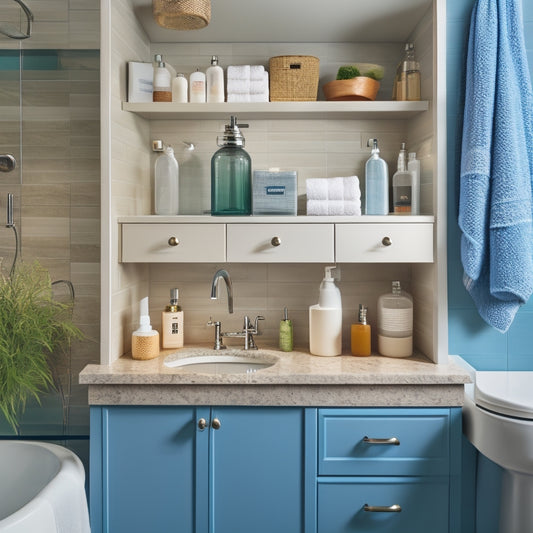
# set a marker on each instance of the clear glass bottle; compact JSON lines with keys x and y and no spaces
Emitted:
{"x":402,"y":186}
{"x":376,"y":182}
{"x":413,"y":166}
{"x":407,"y":80}
{"x":361,"y":335}
{"x":395,"y":323}
{"x":162,"y":82}
{"x":231,"y":174}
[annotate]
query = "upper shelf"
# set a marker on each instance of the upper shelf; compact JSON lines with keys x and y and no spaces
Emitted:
{"x":312,"y":110}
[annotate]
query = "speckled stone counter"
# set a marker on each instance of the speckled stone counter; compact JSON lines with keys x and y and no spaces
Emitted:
{"x":294,"y":379}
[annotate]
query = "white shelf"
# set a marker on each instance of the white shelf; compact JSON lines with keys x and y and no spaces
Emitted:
{"x":274,"y":110}
{"x":208,"y":219}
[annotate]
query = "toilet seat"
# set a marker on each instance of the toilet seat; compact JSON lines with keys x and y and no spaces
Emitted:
{"x":505,"y":393}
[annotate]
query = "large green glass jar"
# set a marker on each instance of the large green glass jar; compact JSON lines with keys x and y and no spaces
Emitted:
{"x":231,"y":174}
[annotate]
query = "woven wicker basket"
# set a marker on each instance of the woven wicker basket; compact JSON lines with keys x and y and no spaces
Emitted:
{"x":182,"y":14}
{"x":293,"y":78}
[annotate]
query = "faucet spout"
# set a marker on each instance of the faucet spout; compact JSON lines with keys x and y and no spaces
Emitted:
{"x":214,"y":287}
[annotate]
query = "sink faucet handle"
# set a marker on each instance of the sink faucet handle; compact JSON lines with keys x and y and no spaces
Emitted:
{"x":257,"y":318}
{"x":211,"y":323}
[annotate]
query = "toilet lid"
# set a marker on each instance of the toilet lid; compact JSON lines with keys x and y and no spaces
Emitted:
{"x":506,"y":393}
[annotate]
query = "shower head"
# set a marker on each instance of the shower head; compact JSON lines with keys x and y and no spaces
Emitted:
{"x":9,"y":30}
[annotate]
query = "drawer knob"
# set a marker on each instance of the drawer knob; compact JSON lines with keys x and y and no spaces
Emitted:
{"x":173,"y":241}
{"x":382,"y":508}
{"x":386,"y":241}
{"x":393,"y":440}
{"x":202,"y":424}
{"x":215,"y":424}
{"x":276,"y":241}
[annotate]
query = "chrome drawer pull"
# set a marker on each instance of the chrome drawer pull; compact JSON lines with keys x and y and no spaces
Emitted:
{"x":382,"y":508}
{"x":202,"y":424}
{"x":393,"y":440}
{"x":276,"y":241}
{"x":173,"y":241}
{"x":386,"y":241}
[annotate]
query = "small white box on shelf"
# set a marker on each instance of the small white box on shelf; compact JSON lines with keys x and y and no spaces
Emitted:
{"x":140,"y":81}
{"x":274,"y":192}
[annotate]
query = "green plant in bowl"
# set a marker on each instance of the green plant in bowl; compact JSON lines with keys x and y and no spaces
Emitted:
{"x":347,"y":72}
{"x":367,"y":70}
{"x":33,"y":328}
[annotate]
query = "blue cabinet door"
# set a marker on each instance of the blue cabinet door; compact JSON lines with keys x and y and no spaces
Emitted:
{"x":257,"y":470}
{"x":142,"y":469}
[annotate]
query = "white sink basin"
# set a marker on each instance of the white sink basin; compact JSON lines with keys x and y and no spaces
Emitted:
{"x":205,"y":361}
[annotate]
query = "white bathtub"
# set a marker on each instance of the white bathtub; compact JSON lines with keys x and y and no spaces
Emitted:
{"x":41,"y":489}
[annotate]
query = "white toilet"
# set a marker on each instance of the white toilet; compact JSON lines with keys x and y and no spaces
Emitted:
{"x":498,"y":421}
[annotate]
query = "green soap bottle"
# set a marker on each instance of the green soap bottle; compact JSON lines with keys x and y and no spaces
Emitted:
{"x":286,"y":342}
{"x":231,"y":174}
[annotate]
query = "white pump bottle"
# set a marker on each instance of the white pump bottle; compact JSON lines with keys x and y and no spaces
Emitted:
{"x":325,"y":319}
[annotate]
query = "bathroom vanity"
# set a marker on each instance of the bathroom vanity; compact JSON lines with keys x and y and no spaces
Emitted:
{"x":309,"y":444}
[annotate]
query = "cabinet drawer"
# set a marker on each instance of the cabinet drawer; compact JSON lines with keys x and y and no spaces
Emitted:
{"x":282,"y":243}
{"x":384,"y":243}
{"x":423,"y":503}
{"x":423,"y":436}
{"x":152,"y":243}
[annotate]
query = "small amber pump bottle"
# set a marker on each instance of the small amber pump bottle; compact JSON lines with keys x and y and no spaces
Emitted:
{"x":360,"y":335}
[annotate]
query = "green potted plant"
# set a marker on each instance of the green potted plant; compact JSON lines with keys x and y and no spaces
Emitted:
{"x":34,"y":327}
{"x":359,"y":81}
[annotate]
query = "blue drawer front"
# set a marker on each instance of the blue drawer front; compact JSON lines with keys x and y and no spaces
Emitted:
{"x":423,"y":502}
{"x":423,"y":434}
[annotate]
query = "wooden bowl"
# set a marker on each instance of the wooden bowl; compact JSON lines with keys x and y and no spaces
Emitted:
{"x":360,"y":88}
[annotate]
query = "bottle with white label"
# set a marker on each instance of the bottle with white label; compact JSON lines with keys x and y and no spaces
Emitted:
{"x":215,"y":81}
{"x":197,"y":87}
{"x":395,"y":323}
{"x":172,"y":323}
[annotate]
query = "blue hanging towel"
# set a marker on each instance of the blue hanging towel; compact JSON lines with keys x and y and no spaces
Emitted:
{"x":495,"y":204}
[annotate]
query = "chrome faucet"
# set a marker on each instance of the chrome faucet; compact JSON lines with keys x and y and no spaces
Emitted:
{"x":214,"y":287}
{"x":247,"y":333}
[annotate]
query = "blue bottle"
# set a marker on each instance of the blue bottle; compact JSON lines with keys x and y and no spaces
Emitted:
{"x":376,"y":182}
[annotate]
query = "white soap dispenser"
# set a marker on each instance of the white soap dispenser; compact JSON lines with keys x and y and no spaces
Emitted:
{"x":325,"y":319}
{"x":145,"y":340}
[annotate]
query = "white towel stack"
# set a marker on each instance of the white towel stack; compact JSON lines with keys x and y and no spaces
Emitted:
{"x":247,"y":83}
{"x":333,"y":196}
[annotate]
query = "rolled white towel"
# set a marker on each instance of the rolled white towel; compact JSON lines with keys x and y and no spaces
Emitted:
{"x":335,"y":189}
{"x":257,"y":72}
{"x":352,"y":190}
{"x":317,"y":207}
{"x":317,"y":188}
{"x":238,"y":97}
{"x":236,"y":86}
{"x":352,"y":207}
{"x":238,"y":72}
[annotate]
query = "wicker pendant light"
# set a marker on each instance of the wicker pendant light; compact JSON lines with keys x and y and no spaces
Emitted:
{"x":182,"y":14}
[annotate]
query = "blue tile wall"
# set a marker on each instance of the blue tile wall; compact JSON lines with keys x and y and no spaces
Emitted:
{"x":483,"y":347}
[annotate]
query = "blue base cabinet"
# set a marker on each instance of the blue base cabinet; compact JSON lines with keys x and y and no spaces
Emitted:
{"x":275,"y":469}
{"x":197,"y":470}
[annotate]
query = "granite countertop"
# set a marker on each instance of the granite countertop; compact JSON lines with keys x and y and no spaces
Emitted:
{"x":295,"y":378}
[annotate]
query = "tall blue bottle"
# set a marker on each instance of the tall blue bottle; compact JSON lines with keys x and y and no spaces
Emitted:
{"x":376,"y":182}
{"x":231,"y":174}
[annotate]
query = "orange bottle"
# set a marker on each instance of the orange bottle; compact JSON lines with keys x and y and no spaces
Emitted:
{"x":360,"y":335}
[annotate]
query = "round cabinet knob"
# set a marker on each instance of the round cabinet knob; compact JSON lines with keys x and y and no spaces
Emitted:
{"x":386,"y":241}
{"x":202,"y":424}
{"x":276,"y":241}
{"x":173,"y":241}
{"x":215,"y":424}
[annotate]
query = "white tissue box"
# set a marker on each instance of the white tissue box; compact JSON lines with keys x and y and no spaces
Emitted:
{"x":274,"y":192}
